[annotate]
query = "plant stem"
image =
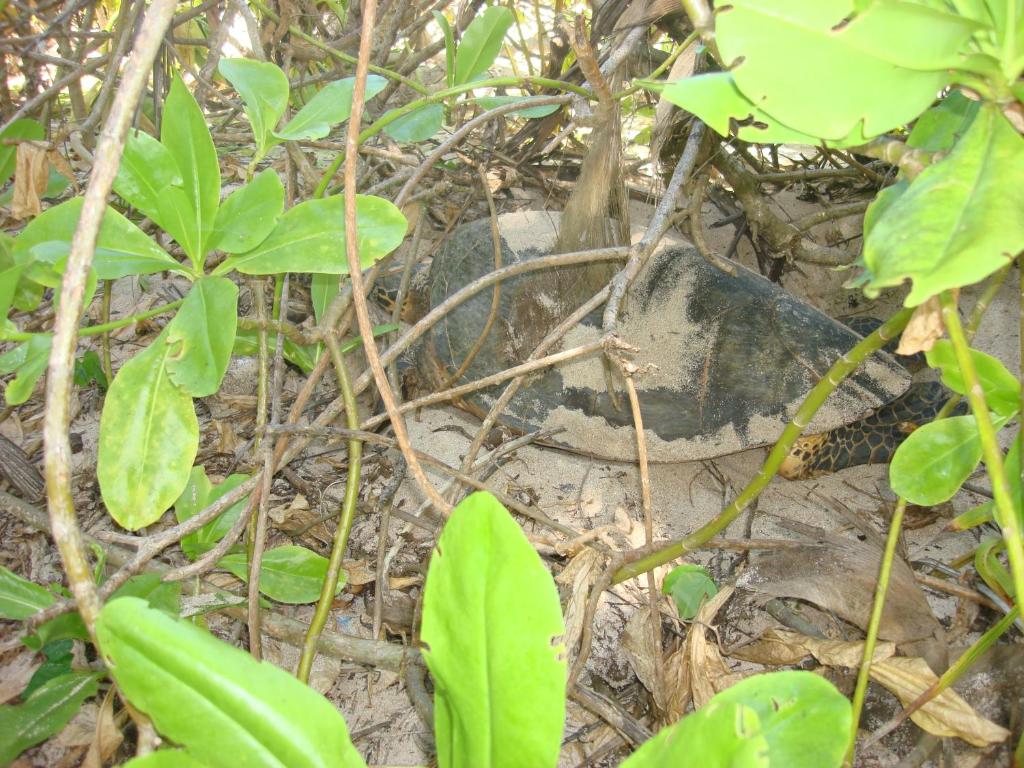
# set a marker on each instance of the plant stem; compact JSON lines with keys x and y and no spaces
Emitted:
{"x":1005,"y":513}
{"x":348,"y":511}
{"x":93,"y":330}
{"x":863,"y":675}
{"x":842,"y":368}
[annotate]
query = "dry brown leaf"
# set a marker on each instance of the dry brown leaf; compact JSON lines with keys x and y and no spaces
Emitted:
{"x":578,"y":578}
{"x":82,"y":728}
{"x":677,"y":684}
{"x":15,"y":674}
{"x":923,"y":330}
{"x":31,"y":174}
{"x":107,"y":737}
{"x":637,"y":644}
{"x":404,"y":582}
{"x":708,"y":671}
{"x":357,"y":573}
{"x":945,"y":715}
{"x":227,"y":440}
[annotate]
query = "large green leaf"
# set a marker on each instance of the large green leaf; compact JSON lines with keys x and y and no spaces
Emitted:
{"x":23,"y":128}
{"x":19,"y":597}
{"x":492,"y":628}
{"x":147,"y":169}
{"x":289,"y":574}
{"x":224,"y":707}
{"x":248,"y":214}
{"x":331,"y":105}
{"x":870,"y":67}
{"x":931,"y":465}
{"x":960,"y":221}
{"x":29,"y":359}
{"x":47,"y":710}
{"x":716,"y":100}
{"x":1002,"y":389}
{"x":199,"y":493}
{"x":481,"y":42}
{"x":201,"y":336}
{"x":121,"y":249}
{"x":149,"y":436}
{"x":264,"y":91}
{"x":794,"y":719}
{"x":938,"y":129}
{"x":418,"y":125}
{"x":177,"y":217}
{"x":311,"y":238}
{"x":187,"y":138}
{"x":166,"y":758}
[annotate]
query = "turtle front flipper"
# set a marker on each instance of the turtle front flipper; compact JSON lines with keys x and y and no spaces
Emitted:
{"x":872,"y":440}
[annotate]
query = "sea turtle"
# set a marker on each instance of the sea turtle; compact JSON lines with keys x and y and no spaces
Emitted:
{"x":724,"y":360}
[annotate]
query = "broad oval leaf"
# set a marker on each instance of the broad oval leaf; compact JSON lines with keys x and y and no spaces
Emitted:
{"x":248,"y":214}
{"x":223,"y":706}
{"x":938,"y":129}
{"x":492,"y":629}
{"x":19,"y":597}
{"x":187,"y":138}
{"x":176,"y":217}
{"x":165,"y":758}
{"x":688,"y":585}
{"x":122,"y":248}
{"x":331,"y":105}
{"x":264,"y":91}
{"x":935,"y":460}
{"x":200,"y":493}
{"x":418,"y":125}
{"x":289,"y":574}
{"x":149,"y":436}
{"x":201,"y":336}
{"x":870,"y":71}
{"x":29,"y":359}
{"x":481,"y":42}
{"x":147,"y":169}
{"x":311,"y":238}
{"x":716,"y":100}
{"x":1002,"y":389}
{"x":794,"y":719}
{"x":47,"y":711}
{"x":961,"y":219}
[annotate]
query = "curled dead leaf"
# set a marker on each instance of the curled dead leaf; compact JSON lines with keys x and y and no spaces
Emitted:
{"x":31,"y":174}
{"x":923,"y":330}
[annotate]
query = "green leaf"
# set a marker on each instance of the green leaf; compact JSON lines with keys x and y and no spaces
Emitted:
{"x":490,"y":102}
{"x":882,"y":202}
{"x":794,"y":719}
{"x":46,"y":712}
{"x":224,"y":707}
{"x":492,"y":633}
{"x":186,"y":136}
{"x":121,"y":249}
{"x":68,"y":626}
{"x":935,"y":460}
{"x":961,"y":219}
{"x":311,"y":238}
{"x":322,"y":290}
{"x":166,"y":758}
{"x":1002,"y":389}
{"x":289,"y":574}
{"x":149,"y":436}
{"x":418,"y":125}
{"x":177,"y":217}
{"x":23,"y":128}
{"x":938,"y":129}
{"x":200,"y":493}
{"x":689,"y":585}
{"x":989,"y":567}
{"x":332,"y":105}
{"x":248,"y":214}
{"x":247,"y":344}
{"x":59,"y":658}
{"x":264,"y":91}
{"x":869,"y":71}
{"x":89,"y":369}
{"x":21,"y":598}
{"x":147,"y":170}
{"x":481,"y":42}
{"x":163,"y":595}
{"x":29,"y":359}
{"x":449,"y":47}
{"x":716,"y":100}
{"x":201,"y":336}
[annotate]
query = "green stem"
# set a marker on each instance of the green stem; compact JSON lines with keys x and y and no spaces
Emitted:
{"x":439,"y":97}
{"x":842,"y":368}
{"x":93,"y":330}
{"x":1005,"y":513}
{"x":348,"y":511}
{"x":884,"y":574}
